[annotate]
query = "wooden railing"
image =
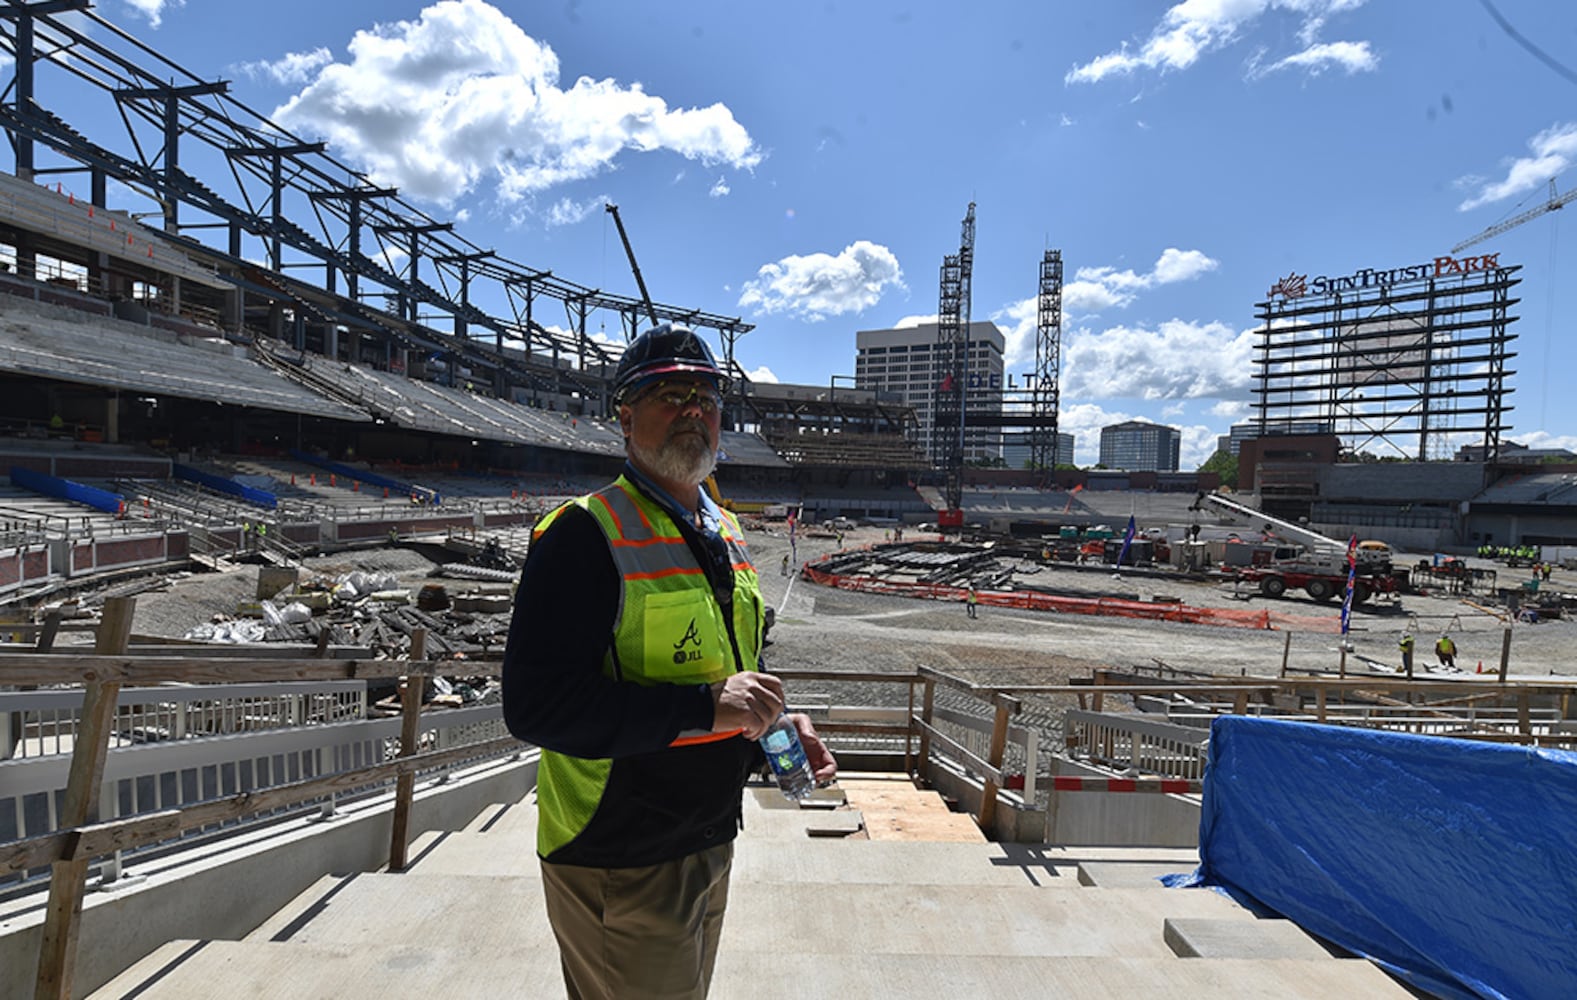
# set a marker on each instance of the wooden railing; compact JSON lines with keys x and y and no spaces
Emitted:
{"x":82,"y":837}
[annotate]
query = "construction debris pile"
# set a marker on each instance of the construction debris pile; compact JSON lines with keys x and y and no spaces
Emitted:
{"x":372,"y":611}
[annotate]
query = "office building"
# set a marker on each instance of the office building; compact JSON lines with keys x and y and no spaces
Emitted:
{"x":1139,"y":446}
{"x":904,"y":361}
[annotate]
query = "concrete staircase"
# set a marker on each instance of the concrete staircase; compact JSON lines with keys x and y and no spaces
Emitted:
{"x":821,"y":905}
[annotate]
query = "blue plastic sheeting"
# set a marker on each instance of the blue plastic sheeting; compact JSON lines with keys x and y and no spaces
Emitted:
{"x":65,"y":489}
{"x":1451,"y":863}
{"x":363,"y":475}
{"x":220,"y":484}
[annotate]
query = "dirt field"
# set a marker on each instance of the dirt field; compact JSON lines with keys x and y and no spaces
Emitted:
{"x":821,"y":628}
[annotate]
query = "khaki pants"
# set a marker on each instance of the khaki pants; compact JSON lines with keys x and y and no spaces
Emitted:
{"x":628,"y":933}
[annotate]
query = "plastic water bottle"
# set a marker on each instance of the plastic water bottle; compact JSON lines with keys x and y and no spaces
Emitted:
{"x":787,"y":759}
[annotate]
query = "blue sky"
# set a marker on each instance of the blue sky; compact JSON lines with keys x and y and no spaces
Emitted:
{"x":806,"y":166}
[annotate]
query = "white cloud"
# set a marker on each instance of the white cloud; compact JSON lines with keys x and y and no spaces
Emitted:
{"x":1194,"y":28}
{"x":909,"y":322}
{"x":1178,"y":360}
{"x":1197,"y":445}
{"x":1553,"y":150}
{"x":1544,"y":439}
{"x":1094,"y":289}
{"x":819,"y":285}
{"x":763,"y":374}
{"x":292,"y":69}
{"x":460,"y":94}
{"x":1353,"y":57}
{"x":567,"y":211}
{"x":1234,"y":410}
{"x":720,"y":189}
{"x":153,"y":10}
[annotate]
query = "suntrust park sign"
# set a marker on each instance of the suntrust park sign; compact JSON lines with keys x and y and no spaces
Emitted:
{"x":1296,"y":286}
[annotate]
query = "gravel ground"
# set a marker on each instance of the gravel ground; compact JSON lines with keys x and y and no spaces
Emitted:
{"x":821,"y":628}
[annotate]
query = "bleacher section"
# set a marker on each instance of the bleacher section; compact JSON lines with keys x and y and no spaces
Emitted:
{"x":443,"y":410}
{"x":737,"y":448}
{"x":53,"y":342}
{"x":1539,"y":488}
{"x":871,"y":451}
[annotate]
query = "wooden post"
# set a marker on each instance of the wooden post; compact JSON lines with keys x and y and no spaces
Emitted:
{"x":908,"y":737}
{"x":1319,"y":703}
{"x":1286,"y":651}
{"x":1098,"y":700}
{"x":410,"y":730}
{"x":1524,"y":713}
{"x":988,"y":792}
{"x":1505,"y":653}
{"x":928,"y":704}
{"x":68,"y":878}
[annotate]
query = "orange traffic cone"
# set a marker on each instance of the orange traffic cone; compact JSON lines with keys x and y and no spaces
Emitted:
{"x":1481,"y":666}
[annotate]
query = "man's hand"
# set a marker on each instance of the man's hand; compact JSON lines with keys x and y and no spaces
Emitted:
{"x":822,"y":764}
{"x":748,"y":701}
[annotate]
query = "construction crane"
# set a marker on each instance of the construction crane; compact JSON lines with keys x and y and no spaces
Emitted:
{"x":951,"y":362}
{"x":1556,"y":202}
{"x":629,"y":252}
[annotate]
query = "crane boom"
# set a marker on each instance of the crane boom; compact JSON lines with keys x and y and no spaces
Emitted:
{"x":1554,"y":204}
{"x":629,"y":252}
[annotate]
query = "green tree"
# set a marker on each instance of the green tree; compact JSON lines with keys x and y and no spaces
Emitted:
{"x":1225,"y":463}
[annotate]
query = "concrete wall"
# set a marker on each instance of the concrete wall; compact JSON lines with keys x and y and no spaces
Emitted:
{"x":225,"y":892}
{"x":1119,"y":819}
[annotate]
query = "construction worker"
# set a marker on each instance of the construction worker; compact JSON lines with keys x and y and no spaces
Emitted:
{"x":970,"y":600}
{"x":634,"y":661}
{"x":1446,"y":651}
{"x":1406,"y":644}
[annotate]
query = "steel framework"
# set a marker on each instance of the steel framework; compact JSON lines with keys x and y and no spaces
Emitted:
{"x":1412,"y":368}
{"x":951,"y":361}
{"x":1045,"y":390}
{"x":288,"y":203}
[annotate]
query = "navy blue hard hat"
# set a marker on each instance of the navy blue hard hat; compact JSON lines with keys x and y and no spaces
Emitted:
{"x":664,"y":350}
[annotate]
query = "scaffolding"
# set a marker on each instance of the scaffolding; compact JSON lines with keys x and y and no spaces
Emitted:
{"x":1410,"y":369}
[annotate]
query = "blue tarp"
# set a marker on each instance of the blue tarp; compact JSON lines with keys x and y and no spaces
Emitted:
{"x":1452,"y":863}
{"x":65,"y":489}
{"x":363,"y":475}
{"x":220,"y":484}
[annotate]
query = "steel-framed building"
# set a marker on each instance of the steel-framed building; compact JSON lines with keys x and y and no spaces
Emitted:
{"x":1407,"y":362}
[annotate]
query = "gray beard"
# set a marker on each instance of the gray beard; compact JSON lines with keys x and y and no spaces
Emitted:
{"x":680,"y":458}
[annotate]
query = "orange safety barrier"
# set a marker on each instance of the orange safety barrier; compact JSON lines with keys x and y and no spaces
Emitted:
{"x":1105,"y":606}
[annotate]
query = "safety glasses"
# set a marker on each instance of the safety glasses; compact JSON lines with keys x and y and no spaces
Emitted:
{"x":678,"y":395}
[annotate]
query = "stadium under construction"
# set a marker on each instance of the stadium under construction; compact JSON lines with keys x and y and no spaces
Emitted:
{"x":227,"y":364}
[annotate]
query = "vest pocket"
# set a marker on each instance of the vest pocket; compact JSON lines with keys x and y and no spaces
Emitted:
{"x":681,"y":638}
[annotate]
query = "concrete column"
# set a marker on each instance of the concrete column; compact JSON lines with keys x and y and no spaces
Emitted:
{"x":112,"y":419}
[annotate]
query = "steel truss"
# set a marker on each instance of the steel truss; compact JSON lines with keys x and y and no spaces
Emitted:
{"x":407,"y":278}
{"x":1414,"y":369}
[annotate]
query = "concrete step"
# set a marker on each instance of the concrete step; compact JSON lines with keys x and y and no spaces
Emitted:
{"x":1128,"y":874}
{"x":498,"y":912}
{"x":908,"y":919}
{"x":845,"y":917}
{"x":854,"y":862}
{"x":301,"y":909}
{"x":1207,"y":938}
{"x":186,"y":970}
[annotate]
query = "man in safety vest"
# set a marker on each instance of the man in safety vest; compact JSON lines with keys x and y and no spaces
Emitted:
{"x":1446,"y":651}
{"x":1406,"y":645}
{"x":632,"y":661}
